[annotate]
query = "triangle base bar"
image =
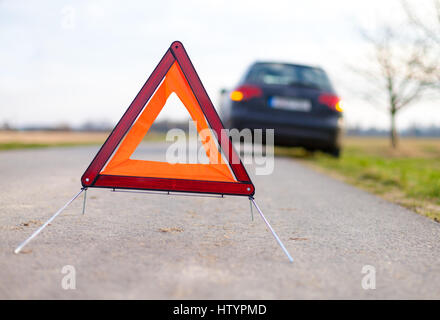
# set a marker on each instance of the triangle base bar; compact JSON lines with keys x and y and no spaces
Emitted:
{"x":168,"y":193}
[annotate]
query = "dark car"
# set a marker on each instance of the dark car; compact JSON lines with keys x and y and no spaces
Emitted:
{"x":297,"y":101}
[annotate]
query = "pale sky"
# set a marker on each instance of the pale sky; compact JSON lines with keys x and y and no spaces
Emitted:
{"x":75,"y":61}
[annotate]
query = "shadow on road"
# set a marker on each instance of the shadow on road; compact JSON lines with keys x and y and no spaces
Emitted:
{"x":298,"y":153}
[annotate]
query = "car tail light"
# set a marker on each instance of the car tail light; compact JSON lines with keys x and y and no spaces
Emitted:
{"x":330,"y":100}
{"x":246,"y":92}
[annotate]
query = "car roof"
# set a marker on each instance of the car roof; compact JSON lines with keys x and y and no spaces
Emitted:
{"x":286,"y":63}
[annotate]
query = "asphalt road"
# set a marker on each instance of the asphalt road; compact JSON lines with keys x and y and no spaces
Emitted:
{"x":131,"y":245}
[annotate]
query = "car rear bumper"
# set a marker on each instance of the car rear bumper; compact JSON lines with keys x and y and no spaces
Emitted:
{"x":305,"y":131}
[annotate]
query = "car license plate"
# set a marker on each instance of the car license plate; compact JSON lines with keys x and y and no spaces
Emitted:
{"x":290,"y":104}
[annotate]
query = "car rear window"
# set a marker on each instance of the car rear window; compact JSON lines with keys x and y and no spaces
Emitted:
{"x":287,"y":74}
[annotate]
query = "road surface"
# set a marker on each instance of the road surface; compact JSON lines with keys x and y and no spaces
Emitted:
{"x":141,"y":246}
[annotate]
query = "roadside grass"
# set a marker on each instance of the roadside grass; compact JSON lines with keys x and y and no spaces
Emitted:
{"x":409,"y":175}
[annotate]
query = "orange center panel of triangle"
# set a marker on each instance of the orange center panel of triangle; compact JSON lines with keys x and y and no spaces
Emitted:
{"x":113,"y":168}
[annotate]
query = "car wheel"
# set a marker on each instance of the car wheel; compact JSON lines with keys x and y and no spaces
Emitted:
{"x":335,"y":152}
{"x":310,"y":151}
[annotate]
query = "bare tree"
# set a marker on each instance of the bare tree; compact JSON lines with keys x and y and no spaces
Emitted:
{"x":426,"y":26}
{"x":394,"y":75}
{"x":429,"y":27}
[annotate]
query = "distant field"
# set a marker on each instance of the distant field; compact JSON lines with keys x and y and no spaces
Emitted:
{"x":40,"y":139}
{"x":409,"y":175}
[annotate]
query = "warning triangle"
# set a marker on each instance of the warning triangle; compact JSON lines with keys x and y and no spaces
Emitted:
{"x":112,"y":167}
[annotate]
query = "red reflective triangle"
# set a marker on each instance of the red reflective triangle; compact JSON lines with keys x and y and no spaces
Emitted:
{"x":95,"y":176}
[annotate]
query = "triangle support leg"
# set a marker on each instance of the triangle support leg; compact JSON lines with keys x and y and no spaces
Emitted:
{"x":84,"y":202}
{"x":36,"y":232}
{"x":272,"y":230}
{"x":252,"y":211}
